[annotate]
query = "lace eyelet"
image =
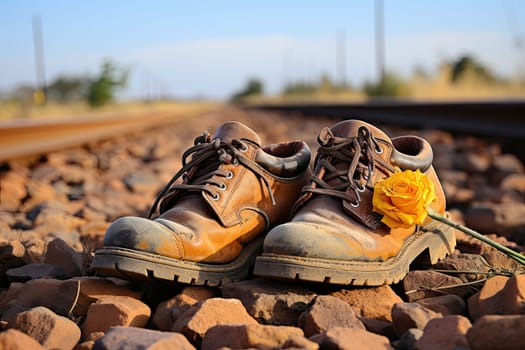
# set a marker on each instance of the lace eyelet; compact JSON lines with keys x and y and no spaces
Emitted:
{"x":355,"y":205}
{"x":243,"y":149}
{"x":222,"y":186}
{"x":215,"y":197}
{"x":378,"y":149}
{"x":235,"y":162}
{"x":361,"y":188}
{"x":229,"y":175}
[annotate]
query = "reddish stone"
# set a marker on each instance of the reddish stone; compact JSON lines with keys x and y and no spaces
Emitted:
{"x":421,"y":284}
{"x":61,"y":254}
{"x":248,"y":336}
{"x":123,"y":338}
{"x":351,"y":339}
{"x":110,"y":311}
{"x":411,"y":315}
{"x":500,"y":295}
{"x":196,"y":321}
{"x":170,"y":310}
{"x":49,"y":329}
{"x":445,"y":333}
{"x":270,"y":302}
{"x":13,"y":339}
{"x":493,"y":332}
{"x":449,"y":304}
{"x":359,"y":299}
{"x":327,"y":312}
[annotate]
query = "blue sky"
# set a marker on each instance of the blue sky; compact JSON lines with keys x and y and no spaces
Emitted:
{"x":210,"y":48}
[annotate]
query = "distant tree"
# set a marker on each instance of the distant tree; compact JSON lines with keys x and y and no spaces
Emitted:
{"x":392,"y":85}
{"x":253,"y":87}
{"x":466,"y":65}
{"x":101,"y":90}
{"x":67,"y":89}
{"x":300,"y":88}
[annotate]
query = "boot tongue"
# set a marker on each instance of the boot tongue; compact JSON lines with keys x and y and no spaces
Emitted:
{"x":235,"y":130}
{"x":349,"y":128}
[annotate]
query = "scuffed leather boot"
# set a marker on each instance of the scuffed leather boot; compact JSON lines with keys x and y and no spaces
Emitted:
{"x":334,"y":236}
{"x":213,"y":213}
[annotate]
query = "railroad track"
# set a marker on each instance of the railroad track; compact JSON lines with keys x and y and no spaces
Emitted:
{"x":502,"y":118}
{"x":21,"y":138}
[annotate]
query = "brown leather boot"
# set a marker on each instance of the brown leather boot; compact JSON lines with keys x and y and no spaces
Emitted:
{"x":334,"y":236}
{"x":213,"y":213}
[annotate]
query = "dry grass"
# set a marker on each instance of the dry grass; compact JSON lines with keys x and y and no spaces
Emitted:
{"x":14,"y":110}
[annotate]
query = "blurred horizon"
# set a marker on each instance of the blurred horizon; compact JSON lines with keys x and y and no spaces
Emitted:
{"x":183,"y":50}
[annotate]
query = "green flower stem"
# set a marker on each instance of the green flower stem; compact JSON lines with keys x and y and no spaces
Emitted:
{"x":511,"y":253}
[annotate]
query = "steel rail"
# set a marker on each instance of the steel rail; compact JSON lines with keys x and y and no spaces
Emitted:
{"x":21,"y":138}
{"x":487,"y":118}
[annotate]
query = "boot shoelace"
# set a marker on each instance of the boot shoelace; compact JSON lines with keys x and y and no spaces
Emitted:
{"x":357,"y":153}
{"x":202,"y":161}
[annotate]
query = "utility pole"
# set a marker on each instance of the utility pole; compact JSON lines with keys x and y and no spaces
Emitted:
{"x":40,"y":95}
{"x":380,"y":42}
{"x":340,"y":56}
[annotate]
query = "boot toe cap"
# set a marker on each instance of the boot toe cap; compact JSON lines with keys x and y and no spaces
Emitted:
{"x":143,"y":235}
{"x":309,"y":240}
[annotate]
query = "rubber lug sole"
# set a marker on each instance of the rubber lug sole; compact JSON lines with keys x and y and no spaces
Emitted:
{"x":138,"y":265}
{"x":434,"y":242}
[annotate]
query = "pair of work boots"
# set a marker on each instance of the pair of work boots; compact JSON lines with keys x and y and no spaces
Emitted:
{"x":235,"y":204}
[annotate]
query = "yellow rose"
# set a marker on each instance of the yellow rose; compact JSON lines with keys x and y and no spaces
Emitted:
{"x":403,"y":198}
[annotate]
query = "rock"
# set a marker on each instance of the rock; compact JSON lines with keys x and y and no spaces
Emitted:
{"x":493,"y":257}
{"x":91,"y":215}
{"x":408,"y":339}
{"x":59,"y":296}
{"x":514,"y":182}
{"x":196,"y":321}
{"x":299,"y":343}
{"x":506,"y":164}
{"x":340,"y":338}
{"x":327,"y":312}
{"x":421,"y":284}
{"x":477,"y":162}
{"x":384,"y":328}
{"x":35,"y":249}
{"x":10,"y":294}
{"x":456,"y":194}
{"x":170,"y":310}
{"x":493,"y":332}
{"x":445,"y":333}
{"x":59,"y":253}
{"x":411,"y":315}
{"x":51,"y":219}
{"x":465,"y":262}
{"x":270,"y":302}
{"x":248,"y":336}
{"x":13,"y":339}
{"x":95,"y":288}
{"x":128,"y":338}
{"x":49,"y":329}
{"x":13,"y":191}
{"x":500,"y":295}
{"x":111,"y":311}
{"x":142,"y":182}
{"x":359,"y":299}
{"x":33,"y":271}
{"x":449,"y":304}
{"x":507,"y":219}
{"x":12,"y":255}
{"x":89,"y":342}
